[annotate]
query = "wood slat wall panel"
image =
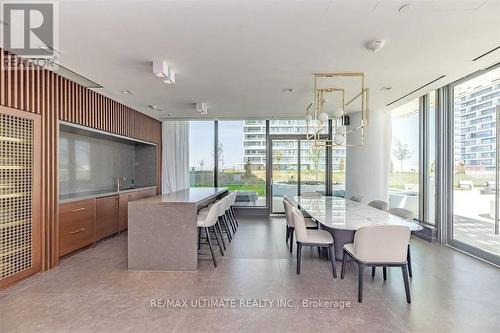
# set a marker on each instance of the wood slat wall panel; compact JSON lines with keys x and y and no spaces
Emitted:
{"x":33,"y":89}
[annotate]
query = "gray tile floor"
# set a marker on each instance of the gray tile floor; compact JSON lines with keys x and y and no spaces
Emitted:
{"x":93,"y":292}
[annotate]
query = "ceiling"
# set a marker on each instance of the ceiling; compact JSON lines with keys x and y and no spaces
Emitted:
{"x":237,"y":56}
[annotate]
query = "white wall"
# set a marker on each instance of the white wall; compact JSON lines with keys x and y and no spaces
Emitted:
{"x":367,"y":166}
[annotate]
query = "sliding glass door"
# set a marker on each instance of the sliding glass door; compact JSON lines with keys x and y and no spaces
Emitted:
{"x":297,"y":166}
{"x":475,"y":197}
{"x":284,"y":172}
{"x":404,"y":176}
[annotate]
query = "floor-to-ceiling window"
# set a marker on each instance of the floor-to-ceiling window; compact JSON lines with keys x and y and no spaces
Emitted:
{"x":475,"y":167}
{"x":405,"y":164}
{"x":242,"y":160}
{"x":338,"y":171}
{"x":201,"y":153}
{"x":430,"y":158}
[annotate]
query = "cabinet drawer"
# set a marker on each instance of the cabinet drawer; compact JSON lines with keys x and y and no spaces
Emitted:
{"x":76,"y":225}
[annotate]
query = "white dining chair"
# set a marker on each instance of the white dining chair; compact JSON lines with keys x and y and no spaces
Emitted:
{"x":401,"y":212}
{"x":356,"y":198}
{"x":312,"y":238}
{"x":407,"y":215}
{"x":379,"y":204}
{"x":207,"y":221}
{"x":290,"y":227}
{"x":382,"y":245}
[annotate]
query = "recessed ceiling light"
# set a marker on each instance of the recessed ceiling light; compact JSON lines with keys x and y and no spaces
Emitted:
{"x":287,"y":90}
{"x":128,"y":92}
{"x":375,"y":45}
{"x":404,"y":8}
{"x":154,"y":107}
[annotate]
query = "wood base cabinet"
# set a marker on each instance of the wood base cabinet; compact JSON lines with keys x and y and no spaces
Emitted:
{"x":106,"y":216}
{"x":85,"y":222}
{"x":76,"y":225}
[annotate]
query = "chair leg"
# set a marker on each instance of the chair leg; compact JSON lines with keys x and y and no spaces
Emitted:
{"x":291,"y":239}
{"x":220,"y":234}
{"x":331,"y":254}
{"x":361,"y":268}
{"x":229,"y":226}
{"x":226,"y":229}
{"x":407,"y":285}
{"x":408,"y":259}
{"x":373,"y":271}
{"x":299,"y":256}
{"x":319,"y":251}
{"x":211,"y":248}
{"x":385,"y":273}
{"x":234,"y":215}
{"x":287,"y":233}
{"x":218,"y":241}
{"x":231,"y":221}
{"x":344,"y":259}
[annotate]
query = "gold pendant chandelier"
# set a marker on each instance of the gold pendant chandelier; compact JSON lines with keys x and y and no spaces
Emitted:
{"x":329,"y":102}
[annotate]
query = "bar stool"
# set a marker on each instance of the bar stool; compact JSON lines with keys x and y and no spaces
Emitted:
{"x":205,"y":222}
{"x":227,"y":208}
{"x":221,"y":217}
{"x":231,"y":208}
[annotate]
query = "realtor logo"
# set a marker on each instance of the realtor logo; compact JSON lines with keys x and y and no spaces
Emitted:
{"x":29,"y":28}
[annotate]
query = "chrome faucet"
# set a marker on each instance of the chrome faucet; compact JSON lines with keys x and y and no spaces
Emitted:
{"x":119,"y":183}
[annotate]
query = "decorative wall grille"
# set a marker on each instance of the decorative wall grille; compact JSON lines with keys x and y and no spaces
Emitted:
{"x":16,"y":174}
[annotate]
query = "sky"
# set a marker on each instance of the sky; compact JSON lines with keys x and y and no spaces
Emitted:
{"x":201,"y":142}
{"x":405,"y":129}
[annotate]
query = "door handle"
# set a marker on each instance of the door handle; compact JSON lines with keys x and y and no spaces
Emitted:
{"x":77,"y":231}
{"x":78,"y":209}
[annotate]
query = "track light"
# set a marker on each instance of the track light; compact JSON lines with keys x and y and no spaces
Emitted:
{"x":163,"y":71}
{"x":201,"y":108}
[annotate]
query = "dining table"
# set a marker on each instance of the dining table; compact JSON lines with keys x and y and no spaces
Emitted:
{"x":342,"y":217}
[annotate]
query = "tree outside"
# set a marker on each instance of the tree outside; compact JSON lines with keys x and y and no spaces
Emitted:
{"x":401,"y":152}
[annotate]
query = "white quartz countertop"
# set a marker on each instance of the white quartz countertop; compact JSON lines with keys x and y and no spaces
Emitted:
{"x":189,"y":195}
{"x":98,"y":194}
{"x":339,"y":213}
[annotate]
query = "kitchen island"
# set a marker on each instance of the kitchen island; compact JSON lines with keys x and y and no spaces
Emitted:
{"x":162,"y":230}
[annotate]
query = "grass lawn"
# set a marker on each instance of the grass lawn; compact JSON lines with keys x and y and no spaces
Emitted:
{"x":260,"y":189}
